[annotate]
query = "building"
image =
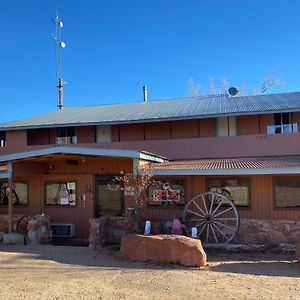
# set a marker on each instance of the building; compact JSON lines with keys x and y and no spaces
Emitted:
{"x":64,"y":160}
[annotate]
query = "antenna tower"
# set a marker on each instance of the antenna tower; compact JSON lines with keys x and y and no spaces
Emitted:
{"x":59,"y":46}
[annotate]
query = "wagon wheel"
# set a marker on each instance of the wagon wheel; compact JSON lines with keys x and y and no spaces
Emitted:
{"x":22,"y":223}
{"x":4,"y":191}
{"x":215,"y":217}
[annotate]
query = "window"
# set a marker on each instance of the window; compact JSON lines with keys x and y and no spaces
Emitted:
{"x":226,"y":126}
{"x":103,"y":134}
{"x":2,"y":139}
{"x":236,"y":188}
{"x":287,"y":192}
{"x":19,"y":193}
{"x":167,"y":192}
{"x":282,"y":123}
{"x":61,"y":193}
{"x":40,"y":136}
{"x":66,"y":135}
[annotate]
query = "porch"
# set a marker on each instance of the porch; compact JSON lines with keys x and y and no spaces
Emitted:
{"x":64,"y":183}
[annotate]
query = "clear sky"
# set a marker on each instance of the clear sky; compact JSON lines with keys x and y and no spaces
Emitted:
{"x":115,"y":47}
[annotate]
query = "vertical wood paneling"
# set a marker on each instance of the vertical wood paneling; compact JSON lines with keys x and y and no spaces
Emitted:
{"x":263,"y":123}
{"x":261,"y":193}
{"x":184,"y":129}
{"x":157,"y":131}
{"x":115,"y":131}
{"x":207,"y":127}
{"x":248,"y":125}
{"x":85,"y":134}
{"x":132,"y":132}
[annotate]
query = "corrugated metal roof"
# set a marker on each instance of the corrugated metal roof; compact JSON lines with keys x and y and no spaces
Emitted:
{"x":229,"y":166}
{"x":168,"y":109}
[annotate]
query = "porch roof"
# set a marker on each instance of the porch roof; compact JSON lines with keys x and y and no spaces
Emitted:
{"x":231,"y":166}
{"x":82,"y":151}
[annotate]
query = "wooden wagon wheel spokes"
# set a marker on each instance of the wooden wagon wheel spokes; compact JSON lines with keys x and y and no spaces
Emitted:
{"x":215,"y":217}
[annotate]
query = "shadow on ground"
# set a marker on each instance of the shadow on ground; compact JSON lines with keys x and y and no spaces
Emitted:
{"x":263,"y":264}
{"x":110,"y":259}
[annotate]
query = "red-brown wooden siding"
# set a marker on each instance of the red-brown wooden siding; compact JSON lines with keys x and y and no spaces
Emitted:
{"x":248,"y":125}
{"x":132,"y":132}
{"x":36,"y":175}
{"x":85,"y":134}
{"x":184,"y":129}
{"x":261,"y":200}
{"x":158,"y":131}
{"x":207,"y":127}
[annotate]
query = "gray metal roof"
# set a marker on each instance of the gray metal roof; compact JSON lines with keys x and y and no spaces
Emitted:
{"x":83,"y":151}
{"x":160,"y":110}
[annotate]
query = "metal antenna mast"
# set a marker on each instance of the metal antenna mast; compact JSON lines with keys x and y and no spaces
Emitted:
{"x":59,"y":46}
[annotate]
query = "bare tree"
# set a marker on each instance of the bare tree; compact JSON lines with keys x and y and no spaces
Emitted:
{"x":243,"y":88}
{"x":136,"y":185}
{"x":193,"y":90}
{"x":211,"y":86}
{"x":271,"y":79}
{"x":223,"y":85}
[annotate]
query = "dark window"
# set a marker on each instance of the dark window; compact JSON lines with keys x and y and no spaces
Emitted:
{"x":167,"y":192}
{"x":38,"y":136}
{"x":237,"y":189}
{"x":66,"y":135}
{"x":61,"y":193}
{"x":19,"y":193}
{"x":282,"y":123}
{"x":287,"y":192}
{"x":2,"y":139}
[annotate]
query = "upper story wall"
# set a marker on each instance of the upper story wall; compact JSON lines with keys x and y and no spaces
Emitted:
{"x":187,"y":139}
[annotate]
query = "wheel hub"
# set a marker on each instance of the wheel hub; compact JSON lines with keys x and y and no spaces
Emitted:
{"x":209,"y":219}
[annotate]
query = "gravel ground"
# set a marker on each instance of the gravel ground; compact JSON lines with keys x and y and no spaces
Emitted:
{"x":60,"y":272}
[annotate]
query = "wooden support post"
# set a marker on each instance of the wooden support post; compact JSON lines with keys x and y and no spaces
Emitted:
{"x":10,"y":200}
{"x":135,"y":166}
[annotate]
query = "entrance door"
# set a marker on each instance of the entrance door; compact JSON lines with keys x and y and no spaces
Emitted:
{"x":109,"y":198}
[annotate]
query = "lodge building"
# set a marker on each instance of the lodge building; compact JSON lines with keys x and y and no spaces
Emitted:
{"x":63,"y":161}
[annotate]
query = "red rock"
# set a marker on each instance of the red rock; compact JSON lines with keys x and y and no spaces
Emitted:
{"x":297,"y":251}
{"x":163,"y":249}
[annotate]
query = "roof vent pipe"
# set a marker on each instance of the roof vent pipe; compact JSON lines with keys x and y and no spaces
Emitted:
{"x":145,"y":93}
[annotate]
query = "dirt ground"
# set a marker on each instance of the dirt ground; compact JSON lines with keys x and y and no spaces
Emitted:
{"x":60,"y":272}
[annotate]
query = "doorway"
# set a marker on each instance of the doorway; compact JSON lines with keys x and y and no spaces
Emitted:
{"x":109,"y":197}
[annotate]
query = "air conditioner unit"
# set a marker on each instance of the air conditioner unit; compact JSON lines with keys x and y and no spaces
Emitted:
{"x":63,"y":230}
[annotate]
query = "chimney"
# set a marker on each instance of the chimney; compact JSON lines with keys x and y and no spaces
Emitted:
{"x":145,"y":93}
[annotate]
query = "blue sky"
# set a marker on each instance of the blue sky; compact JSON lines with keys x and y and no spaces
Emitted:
{"x":115,"y":47}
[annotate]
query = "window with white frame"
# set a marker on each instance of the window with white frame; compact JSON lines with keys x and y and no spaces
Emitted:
{"x":2,"y":139}
{"x":282,"y":123}
{"x":66,"y":135}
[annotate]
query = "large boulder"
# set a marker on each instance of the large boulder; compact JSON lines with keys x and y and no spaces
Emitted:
{"x":165,"y":249}
{"x":297,"y":251}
